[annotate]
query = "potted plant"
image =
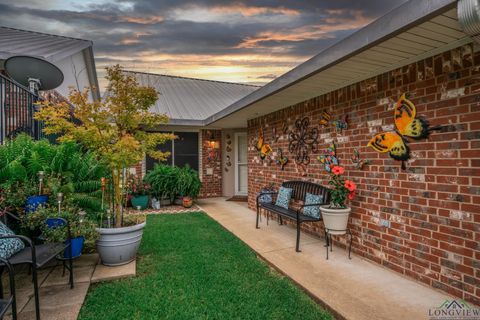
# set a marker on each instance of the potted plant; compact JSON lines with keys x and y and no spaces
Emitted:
{"x":163,"y":181}
{"x":335,"y":216}
{"x":119,"y":130}
{"x":45,"y":219}
{"x":188,"y":185}
{"x":138,"y":190}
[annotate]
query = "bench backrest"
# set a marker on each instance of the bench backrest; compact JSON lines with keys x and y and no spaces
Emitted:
{"x":301,"y":188}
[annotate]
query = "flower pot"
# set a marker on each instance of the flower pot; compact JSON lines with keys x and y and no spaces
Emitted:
{"x":118,"y":246}
{"x":140,"y":201}
{"x":187,"y":202}
{"x":77,"y":247}
{"x":335,"y":220}
{"x":33,"y":202}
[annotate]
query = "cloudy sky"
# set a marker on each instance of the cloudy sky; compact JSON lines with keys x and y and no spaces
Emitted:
{"x":250,"y":41}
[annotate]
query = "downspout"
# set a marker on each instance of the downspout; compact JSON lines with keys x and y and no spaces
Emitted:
{"x":468,"y":12}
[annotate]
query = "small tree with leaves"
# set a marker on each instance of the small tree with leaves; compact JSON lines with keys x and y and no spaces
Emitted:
{"x":116,"y":128}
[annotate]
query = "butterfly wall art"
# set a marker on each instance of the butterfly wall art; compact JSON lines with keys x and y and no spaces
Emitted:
{"x":341,"y":124}
{"x":325,"y":118}
{"x":264,"y":148}
{"x":329,"y":159}
{"x":407,"y":125}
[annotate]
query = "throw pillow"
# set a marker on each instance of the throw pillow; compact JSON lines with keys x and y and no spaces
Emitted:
{"x":312,"y":211}
{"x":284,"y":196}
{"x":10,"y":246}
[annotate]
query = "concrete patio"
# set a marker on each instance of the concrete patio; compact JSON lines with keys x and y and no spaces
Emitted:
{"x":351,"y":289}
{"x":57,"y":300}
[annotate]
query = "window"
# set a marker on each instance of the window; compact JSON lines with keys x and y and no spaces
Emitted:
{"x":183,"y":151}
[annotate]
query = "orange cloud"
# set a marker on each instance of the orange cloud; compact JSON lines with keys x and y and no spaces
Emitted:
{"x":253,"y":11}
{"x":141,"y":20}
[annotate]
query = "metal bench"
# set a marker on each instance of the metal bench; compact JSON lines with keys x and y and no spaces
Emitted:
{"x":299,"y":191}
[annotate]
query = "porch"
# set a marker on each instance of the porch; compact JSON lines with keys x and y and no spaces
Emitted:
{"x":350,"y":289}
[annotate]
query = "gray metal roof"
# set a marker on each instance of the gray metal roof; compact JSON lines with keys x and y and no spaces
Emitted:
{"x":189,"y":101}
{"x":41,"y":45}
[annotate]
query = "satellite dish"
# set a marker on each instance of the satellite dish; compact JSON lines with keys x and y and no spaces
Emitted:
{"x":35,"y":73}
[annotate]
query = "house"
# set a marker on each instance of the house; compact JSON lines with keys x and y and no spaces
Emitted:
{"x":74,"y":57}
{"x":422,"y":221}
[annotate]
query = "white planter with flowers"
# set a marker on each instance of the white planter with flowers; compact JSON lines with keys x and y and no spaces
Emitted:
{"x":335,"y":216}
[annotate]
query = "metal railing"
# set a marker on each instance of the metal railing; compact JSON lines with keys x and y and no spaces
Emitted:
{"x":17,"y":110}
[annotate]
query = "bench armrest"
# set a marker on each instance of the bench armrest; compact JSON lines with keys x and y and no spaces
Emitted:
{"x":264,"y":193}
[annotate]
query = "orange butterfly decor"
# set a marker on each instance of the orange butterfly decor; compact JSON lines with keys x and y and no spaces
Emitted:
{"x":407,"y":124}
{"x":264,"y":148}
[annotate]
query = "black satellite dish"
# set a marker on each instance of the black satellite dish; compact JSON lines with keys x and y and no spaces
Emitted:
{"x":35,"y":73}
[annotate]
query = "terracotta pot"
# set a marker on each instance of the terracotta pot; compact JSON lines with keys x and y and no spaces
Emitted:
{"x":335,"y":220}
{"x":187,"y":202}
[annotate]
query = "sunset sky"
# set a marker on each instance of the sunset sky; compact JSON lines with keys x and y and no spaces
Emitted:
{"x":238,"y":41}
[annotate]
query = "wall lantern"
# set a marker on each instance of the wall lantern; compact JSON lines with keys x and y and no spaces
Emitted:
{"x":212,"y":143}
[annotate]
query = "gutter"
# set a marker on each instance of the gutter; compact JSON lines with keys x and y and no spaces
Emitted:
{"x":91,"y":71}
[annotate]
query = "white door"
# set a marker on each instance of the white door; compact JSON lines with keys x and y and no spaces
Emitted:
{"x":241,"y":168}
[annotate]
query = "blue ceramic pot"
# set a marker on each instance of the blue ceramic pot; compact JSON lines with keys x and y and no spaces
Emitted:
{"x":77,"y":247}
{"x":33,"y":202}
{"x":140,"y":201}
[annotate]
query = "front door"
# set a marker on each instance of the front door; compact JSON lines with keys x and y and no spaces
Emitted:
{"x":241,"y":169}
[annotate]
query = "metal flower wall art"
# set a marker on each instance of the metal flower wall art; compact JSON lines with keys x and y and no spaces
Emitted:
{"x":302,"y":141}
{"x":281,"y":159}
{"x":359,"y":163}
{"x":264,"y":148}
{"x":407,"y":125}
{"x":329,"y":159}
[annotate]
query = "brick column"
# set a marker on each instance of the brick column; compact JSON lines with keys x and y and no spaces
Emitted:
{"x":211,"y":168}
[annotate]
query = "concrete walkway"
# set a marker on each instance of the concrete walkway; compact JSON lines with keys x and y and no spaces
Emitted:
{"x":57,"y":300}
{"x":351,"y":289}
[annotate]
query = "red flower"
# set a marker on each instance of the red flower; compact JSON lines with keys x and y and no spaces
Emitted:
{"x":351,"y":195}
{"x":350,"y":185}
{"x":337,"y":170}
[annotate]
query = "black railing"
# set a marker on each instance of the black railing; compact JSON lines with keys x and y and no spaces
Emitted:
{"x":17,"y":110}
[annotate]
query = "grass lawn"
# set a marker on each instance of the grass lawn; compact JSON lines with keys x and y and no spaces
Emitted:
{"x":189,"y":267}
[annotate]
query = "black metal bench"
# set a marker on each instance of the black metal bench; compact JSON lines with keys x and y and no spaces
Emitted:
{"x":299,"y":191}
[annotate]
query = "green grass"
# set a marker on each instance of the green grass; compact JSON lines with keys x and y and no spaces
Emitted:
{"x":189,"y":267}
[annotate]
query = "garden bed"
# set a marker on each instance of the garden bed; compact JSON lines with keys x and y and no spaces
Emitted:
{"x":189,"y":267}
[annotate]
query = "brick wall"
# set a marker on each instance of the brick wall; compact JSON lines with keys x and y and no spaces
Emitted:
{"x":211,"y":183}
{"x":434,"y":205}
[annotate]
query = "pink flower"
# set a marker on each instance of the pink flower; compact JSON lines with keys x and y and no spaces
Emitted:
{"x":337,"y":170}
{"x":351,"y":195}
{"x":350,"y":185}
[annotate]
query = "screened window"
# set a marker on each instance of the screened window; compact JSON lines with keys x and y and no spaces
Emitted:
{"x":183,"y":151}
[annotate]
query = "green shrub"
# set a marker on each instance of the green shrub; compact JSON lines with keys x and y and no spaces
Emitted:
{"x":188,"y":182}
{"x":163,"y":181}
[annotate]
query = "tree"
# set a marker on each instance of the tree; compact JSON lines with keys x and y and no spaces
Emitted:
{"x":116,"y":128}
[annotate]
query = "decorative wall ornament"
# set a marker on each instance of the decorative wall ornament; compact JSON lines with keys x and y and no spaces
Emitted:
{"x":274,"y":134}
{"x":281,"y":159}
{"x":407,"y":124}
{"x":329,"y":159}
{"x":303,"y":141}
{"x":359,"y":163}
{"x":264,"y":148}
{"x":325,"y":118}
{"x":212,"y":155}
{"x":285,"y":127}
{"x":341,"y":124}
{"x":228,"y":163}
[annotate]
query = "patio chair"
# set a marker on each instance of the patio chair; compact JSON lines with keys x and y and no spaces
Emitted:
{"x":37,"y":256}
{"x":6,"y":303}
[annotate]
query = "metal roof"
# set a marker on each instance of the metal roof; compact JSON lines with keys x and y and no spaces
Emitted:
{"x":414,"y":31}
{"x":189,"y":101}
{"x":41,"y":45}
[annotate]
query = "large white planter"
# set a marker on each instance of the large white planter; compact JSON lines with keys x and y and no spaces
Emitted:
{"x":118,"y":246}
{"x":335,"y":220}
